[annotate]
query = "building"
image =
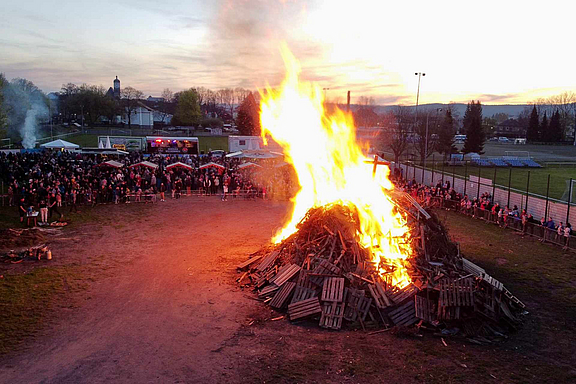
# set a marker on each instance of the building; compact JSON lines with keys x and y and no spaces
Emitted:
{"x":510,"y":128}
{"x":114,"y":92}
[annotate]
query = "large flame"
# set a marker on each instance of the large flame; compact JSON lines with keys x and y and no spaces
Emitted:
{"x":331,"y":169}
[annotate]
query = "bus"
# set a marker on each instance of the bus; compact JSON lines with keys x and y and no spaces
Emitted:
{"x":459,"y":139}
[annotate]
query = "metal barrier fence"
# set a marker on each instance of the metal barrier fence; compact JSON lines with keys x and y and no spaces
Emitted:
{"x":512,"y":222}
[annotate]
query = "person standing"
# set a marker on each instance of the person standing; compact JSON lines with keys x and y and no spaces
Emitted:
{"x":43,"y":211}
{"x":22,"y":210}
{"x":162,"y":191}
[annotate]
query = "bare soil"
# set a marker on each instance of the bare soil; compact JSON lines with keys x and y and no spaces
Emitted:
{"x":162,"y":306}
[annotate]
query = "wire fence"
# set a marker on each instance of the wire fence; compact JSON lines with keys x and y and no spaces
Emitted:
{"x":542,"y":192}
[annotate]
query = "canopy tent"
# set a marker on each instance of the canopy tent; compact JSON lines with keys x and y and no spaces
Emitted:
{"x":254,"y":154}
{"x":212,"y":165}
{"x":111,"y":163}
{"x":179,"y":164}
{"x":147,"y":164}
{"x":248,"y":165}
{"x":60,"y":144}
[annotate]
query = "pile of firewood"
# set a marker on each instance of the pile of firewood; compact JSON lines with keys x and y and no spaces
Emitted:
{"x":321,"y":272}
{"x":33,"y":253}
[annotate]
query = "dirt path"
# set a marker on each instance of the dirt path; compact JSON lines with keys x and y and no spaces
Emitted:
{"x":167,"y":312}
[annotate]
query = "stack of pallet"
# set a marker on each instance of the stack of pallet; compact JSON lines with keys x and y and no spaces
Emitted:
{"x":321,"y":272}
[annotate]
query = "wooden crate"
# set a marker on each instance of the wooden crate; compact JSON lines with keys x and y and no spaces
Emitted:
{"x":333,"y":289}
{"x":332,"y":313}
{"x":304,"y":308}
{"x":282,"y":295}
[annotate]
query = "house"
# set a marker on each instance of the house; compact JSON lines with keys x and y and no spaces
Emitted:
{"x":510,"y":128}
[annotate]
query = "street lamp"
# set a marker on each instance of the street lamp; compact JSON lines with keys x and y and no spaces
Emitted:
{"x":419,"y":74}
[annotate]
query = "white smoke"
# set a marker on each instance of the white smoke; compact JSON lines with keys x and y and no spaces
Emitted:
{"x":29,"y":128}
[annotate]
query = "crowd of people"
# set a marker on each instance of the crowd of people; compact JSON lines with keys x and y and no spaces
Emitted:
{"x":445,"y":196}
{"x":55,"y":183}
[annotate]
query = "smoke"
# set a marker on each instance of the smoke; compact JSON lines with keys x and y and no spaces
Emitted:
{"x":25,"y":106}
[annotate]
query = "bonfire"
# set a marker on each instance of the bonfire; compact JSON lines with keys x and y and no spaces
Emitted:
{"x":354,"y":250}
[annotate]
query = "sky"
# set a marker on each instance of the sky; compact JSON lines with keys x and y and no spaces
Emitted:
{"x":498,"y":52}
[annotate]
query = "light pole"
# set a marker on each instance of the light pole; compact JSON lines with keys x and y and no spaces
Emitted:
{"x":419,"y":74}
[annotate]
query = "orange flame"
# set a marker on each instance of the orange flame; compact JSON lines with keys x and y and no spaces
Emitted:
{"x":331,"y":169}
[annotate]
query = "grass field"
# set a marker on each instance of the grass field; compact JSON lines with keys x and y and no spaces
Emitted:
{"x":538,"y":177}
{"x":206,"y":143}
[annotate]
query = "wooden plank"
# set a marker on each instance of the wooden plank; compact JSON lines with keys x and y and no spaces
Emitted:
{"x":404,"y":315}
{"x":285,"y":274}
{"x":324,"y":268}
{"x":304,"y":308}
{"x":268,"y":290}
{"x":267,"y":261}
{"x":303,"y":293}
{"x":425,"y":309}
{"x":282,"y":296}
{"x":248,"y":262}
{"x":333,"y":289}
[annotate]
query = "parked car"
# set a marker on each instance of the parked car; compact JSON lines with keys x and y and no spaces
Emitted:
{"x":503,"y":139}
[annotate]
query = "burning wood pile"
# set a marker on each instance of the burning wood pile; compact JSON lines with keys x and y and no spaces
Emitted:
{"x":322,"y":272}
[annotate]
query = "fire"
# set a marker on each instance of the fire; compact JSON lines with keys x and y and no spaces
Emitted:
{"x":331,"y":169}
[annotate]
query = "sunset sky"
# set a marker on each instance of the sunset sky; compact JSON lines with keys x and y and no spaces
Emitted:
{"x":499,"y":52}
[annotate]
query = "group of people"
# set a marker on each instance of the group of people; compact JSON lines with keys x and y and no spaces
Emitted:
{"x":51,"y":182}
{"x":444,"y":195}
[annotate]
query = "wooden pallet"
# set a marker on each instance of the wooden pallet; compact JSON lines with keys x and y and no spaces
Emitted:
{"x":398,"y":295}
{"x":472,"y":268}
{"x":332,"y":313}
{"x":425,"y":309}
{"x":267,"y":261}
{"x":379,"y":295}
{"x":324,"y":268}
{"x":304,"y":308}
{"x":282,"y":296}
{"x":303,"y":293}
{"x":405,"y":315}
{"x":248,"y":262}
{"x":264,"y":278}
{"x":268,"y":290}
{"x":285,"y":274}
{"x":304,"y":279}
{"x":333,"y":289}
{"x":457,"y":293}
{"x":356,"y":304}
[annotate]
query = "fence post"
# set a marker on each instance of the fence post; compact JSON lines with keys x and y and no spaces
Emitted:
{"x":479,"y":174}
{"x":569,"y":201}
{"x":442,"y":174}
{"x":509,"y":182}
{"x":547,"y":192}
{"x":465,"y":176}
{"x":494,"y":185}
{"x":453,"y":177}
{"x":527,"y":193}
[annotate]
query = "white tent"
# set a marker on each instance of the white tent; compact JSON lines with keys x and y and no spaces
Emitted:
{"x":100,"y":144}
{"x":108,"y":145}
{"x":111,"y":163}
{"x":247,"y":165}
{"x":144,"y":164}
{"x":60,"y":144}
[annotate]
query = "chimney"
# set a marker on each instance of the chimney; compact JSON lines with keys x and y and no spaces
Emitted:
{"x":348,"y":102}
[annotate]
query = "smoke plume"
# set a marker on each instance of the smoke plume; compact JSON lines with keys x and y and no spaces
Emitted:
{"x":25,"y":107}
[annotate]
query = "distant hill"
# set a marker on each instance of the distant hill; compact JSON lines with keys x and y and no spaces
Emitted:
{"x":487,"y":109}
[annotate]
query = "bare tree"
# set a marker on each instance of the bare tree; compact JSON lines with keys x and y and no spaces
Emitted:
{"x":399,"y":123}
{"x":130,"y":99}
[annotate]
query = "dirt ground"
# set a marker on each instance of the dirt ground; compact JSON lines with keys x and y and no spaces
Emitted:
{"x":163,"y":307}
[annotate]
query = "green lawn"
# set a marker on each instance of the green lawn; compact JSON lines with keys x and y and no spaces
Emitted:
{"x":538,"y":177}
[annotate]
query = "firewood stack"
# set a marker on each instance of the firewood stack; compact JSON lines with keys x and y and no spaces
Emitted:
{"x":321,"y":272}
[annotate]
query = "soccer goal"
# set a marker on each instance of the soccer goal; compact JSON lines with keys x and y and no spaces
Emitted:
{"x":517,"y":155}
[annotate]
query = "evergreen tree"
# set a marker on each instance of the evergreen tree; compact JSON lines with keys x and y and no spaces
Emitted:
{"x":555,"y":128}
{"x":544,"y":133}
{"x":475,"y":136}
{"x":446,"y":136}
{"x":248,"y":119}
{"x":533,"y":126}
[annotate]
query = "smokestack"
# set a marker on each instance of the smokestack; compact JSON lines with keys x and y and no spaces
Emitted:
{"x":348,"y":102}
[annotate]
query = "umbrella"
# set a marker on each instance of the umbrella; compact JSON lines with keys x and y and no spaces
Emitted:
{"x":144,"y":164}
{"x":248,"y":165}
{"x":179,"y":164}
{"x":111,"y":163}
{"x":208,"y":165}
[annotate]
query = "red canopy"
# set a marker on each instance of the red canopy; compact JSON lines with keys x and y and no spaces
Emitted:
{"x":179,"y":164}
{"x":214,"y":165}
